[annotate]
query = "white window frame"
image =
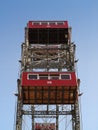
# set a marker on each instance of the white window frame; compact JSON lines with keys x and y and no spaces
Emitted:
{"x":32,"y":74}
{"x":65,"y":74}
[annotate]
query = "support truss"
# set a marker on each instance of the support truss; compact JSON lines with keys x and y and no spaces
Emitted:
{"x":47,"y":57}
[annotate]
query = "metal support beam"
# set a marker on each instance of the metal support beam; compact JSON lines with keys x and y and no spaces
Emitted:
{"x":49,"y":112}
{"x":32,"y":110}
{"x":77,"y":117}
{"x":19,"y":109}
{"x":57,"y":117}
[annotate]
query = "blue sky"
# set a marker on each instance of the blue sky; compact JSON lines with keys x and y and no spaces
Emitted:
{"x":83,"y":18}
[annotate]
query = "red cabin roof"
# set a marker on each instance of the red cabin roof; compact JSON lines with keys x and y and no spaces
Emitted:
{"x":47,"y":24}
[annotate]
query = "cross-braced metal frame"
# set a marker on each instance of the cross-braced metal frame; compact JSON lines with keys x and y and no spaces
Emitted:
{"x":47,"y":57}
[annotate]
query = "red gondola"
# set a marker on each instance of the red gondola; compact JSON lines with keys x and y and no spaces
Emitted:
{"x":51,"y":32}
{"x":49,"y":87}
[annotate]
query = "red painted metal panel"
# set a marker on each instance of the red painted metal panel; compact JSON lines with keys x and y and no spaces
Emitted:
{"x":45,"y":126}
{"x":48,"y":82}
{"x":47,"y":24}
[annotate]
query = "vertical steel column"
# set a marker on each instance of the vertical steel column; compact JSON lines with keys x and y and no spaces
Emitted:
{"x":19,"y":116}
{"x":73,"y":117}
{"x":19,"y":108}
{"x":77,"y":117}
{"x":57,"y":117}
{"x":32,"y":109}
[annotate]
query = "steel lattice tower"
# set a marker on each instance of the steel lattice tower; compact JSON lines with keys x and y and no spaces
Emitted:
{"x":47,"y":48}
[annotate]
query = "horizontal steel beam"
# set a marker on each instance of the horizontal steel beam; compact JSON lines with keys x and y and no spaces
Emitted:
{"x":44,"y":116}
{"x":47,"y":112}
